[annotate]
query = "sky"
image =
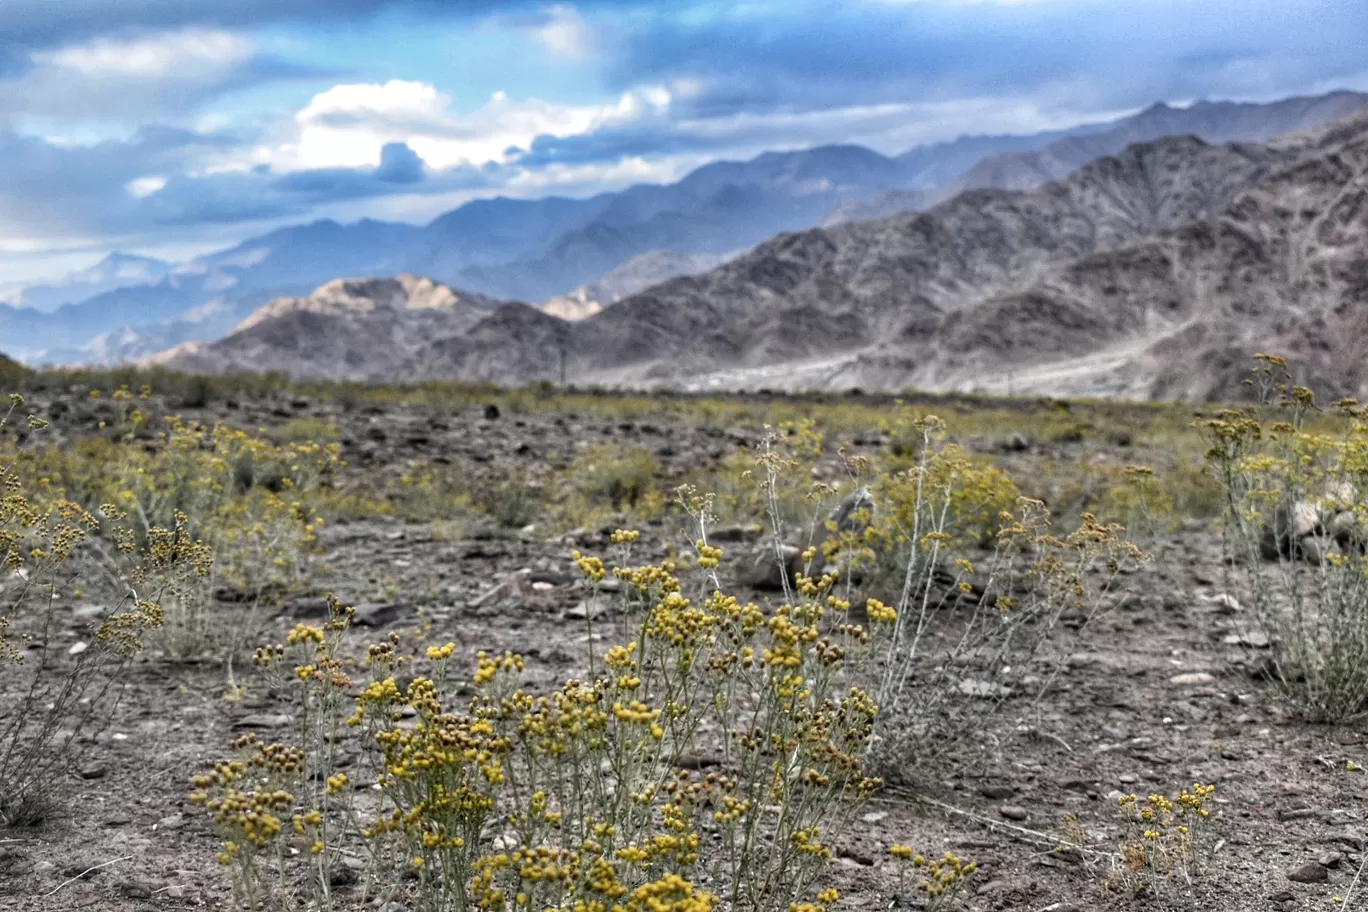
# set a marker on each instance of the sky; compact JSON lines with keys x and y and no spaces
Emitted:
{"x":172,"y":127}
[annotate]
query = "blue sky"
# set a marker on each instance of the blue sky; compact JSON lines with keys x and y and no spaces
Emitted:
{"x":175,"y":126}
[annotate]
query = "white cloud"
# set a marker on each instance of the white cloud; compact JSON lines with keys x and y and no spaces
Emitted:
{"x":565,"y":33}
{"x":129,"y":79}
{"x":346,"y":126}
{"x":154,"y":55}
{"x":145,"y":186}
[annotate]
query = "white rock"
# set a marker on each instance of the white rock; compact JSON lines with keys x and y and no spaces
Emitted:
{"x":78,"y":647}
{"x":1192,"y":678}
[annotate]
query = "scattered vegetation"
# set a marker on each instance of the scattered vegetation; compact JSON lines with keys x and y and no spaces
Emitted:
{"x":1297,"y":517}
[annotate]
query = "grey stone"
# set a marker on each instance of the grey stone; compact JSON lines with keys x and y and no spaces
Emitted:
{"x":264,"y":720}
{"x":376,"y":614}
{"x":1310,"y":873}
{"x":1013,"y":812}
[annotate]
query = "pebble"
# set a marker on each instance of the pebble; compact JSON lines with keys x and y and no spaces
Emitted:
{"x":264,"y":720}
{"x":1013,"y":812}
{"x":92,"y":771}
{"x":874,"y":816}
{"x":78,"y":647}
{"x":997,"y":792}
{"x":1330,"y":860}
{"x":135,"y":889}
{"x":1310,"y":873}
{"x":173,"y":822}
{"x":587,"y":609}
{"x":1192,"y":678}
{"x":44,"y":867}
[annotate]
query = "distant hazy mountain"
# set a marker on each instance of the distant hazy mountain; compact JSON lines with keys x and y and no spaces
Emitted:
{"x":117,"y":270}
{"x":534,"y":250}
{"x":1026,"y":169}
{"x":1157,"y":272}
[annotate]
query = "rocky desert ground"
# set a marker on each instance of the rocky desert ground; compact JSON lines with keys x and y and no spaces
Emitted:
{"x":1155,"y":687}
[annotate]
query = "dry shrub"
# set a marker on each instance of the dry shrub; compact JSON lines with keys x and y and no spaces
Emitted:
{"x":1297,"y":511}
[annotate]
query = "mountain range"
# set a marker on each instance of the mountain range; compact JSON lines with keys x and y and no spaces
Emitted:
{"x":576,"y":255}
{"x":1155,"y":272}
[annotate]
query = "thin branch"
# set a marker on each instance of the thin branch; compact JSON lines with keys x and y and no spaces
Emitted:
{"x":72,"y":880}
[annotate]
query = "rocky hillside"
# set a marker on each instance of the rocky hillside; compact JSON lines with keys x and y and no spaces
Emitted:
{"x":1026,"y":169}
{"x":356,"y":329}
{"x":637,"y":274}
{"x":1153,"y":273}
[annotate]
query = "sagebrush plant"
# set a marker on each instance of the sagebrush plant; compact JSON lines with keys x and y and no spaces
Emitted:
{"x":1163,"y":839}
{"x":1296,"y":485}
{"x":53,"y":550}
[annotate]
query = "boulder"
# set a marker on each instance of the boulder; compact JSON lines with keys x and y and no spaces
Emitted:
{"x":766,"y":566}
{"x":1349,"y":531}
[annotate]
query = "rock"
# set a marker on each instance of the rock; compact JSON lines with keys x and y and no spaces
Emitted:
{"x":78,"y":647}
{"x":92,"y":771}
{"x":1016,"y":442}
{"x":984,"y":689}
{"x":1348,"y":532}
{"x":1254,"y":639}
{"x":997,"y":792}
{"x":1310,"y":873}
{"x":44,"y":867}
{"x":1013,"y":812}
{"x":588,"y":609}
{"x":264,"y":720}
{"x":308,"y":606}
{"x":1225,"y":603}
{"x":1291,"y":524}
{"x":1330,"y":860}
{"x":766,"y":569}
{"x":89,"y":614}
{"x":734,"y":534}
{"x":376,"y":614}
{"x":136,"y":889}
{"x":173,"y":822}
{"x":874,"y":817}
{"x":1314,"y":549}
{"x":1192,"y":679}
{"x":491,"y":412}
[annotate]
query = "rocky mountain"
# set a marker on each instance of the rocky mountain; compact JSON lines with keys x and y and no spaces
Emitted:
{"x":347,"y":329}
{"x":637,"y":274}
{"x":535,"y":250}
{"x":1026,"y":169}
{"x":1154,"y":273}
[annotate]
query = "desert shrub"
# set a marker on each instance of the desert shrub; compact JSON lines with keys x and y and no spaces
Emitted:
{"x":581,"y":797}
{"x":606,"y":483}
{"x":52,"y":550}
{"x":964,"y":631}
{"x":307,"y":430}
{"x":1162,"y":840}
{"x":243,"y":497}
{"x":1296,"y":513}
{"x":939,"y":881}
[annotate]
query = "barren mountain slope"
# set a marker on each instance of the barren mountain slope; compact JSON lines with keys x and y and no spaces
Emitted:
{"x":1283,"y":269}
{"x":346,"y":329}
{"x":1153,"y":273}
{"x":1213,"y":122}
{"x":820,"y":292}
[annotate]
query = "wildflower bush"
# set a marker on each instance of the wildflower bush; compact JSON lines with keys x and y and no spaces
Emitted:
{"x":710,"y":758}
{"x":244,"y":499}
{"x":938,"y":880}
{"x":53,"y":696}
{"x":1296,"y":485}
{"x":970,"y":577}
{"x":1163,"y":839}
